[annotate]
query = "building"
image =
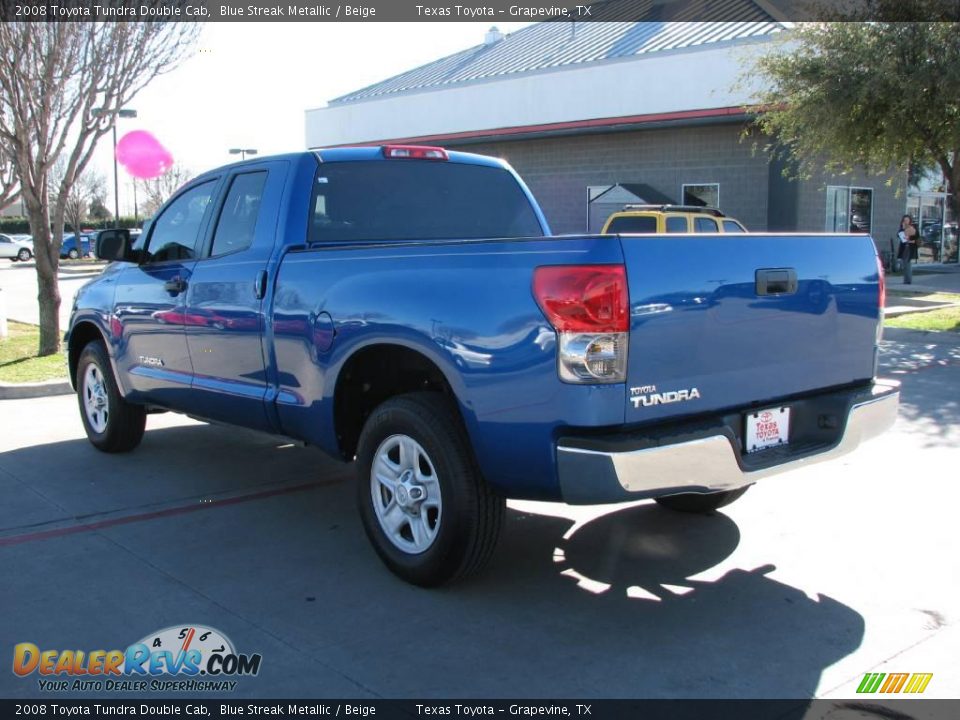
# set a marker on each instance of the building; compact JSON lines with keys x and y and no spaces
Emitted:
{"x":597,"y":114}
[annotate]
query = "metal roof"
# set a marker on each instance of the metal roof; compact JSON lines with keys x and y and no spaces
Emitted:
{"x":551,"y":45}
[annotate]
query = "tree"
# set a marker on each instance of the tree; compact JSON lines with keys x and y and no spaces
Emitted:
{"x":89,"y":187}
{"x":9,"y":184}
{"x":99,"y":211}
{"x":878,"y":95}
{"x":52,"y":76}
{"x":158,"y":190}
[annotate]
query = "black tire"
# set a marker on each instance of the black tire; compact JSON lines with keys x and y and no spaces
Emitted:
{"x":123,"y":422}
{"x":469,"y":523}
{"x":24,"y":255}
{"x":73,"y":254}
{"x":702,"y":503}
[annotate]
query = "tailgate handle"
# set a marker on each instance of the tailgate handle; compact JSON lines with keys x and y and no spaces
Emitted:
{"x":776,"y":281}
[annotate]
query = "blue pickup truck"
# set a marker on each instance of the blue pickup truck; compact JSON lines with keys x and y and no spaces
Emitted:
{"x":406,"y":308}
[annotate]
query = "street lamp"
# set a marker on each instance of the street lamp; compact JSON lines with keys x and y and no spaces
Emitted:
{"x":243,"y":152}
{"x":124,"y":113}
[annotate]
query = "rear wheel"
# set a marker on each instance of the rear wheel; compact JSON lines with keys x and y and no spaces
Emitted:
{"x":425,"y":507}
{"x":111,"y":423}
{"x":703,"y":503}
{"x":23,"y":255}
{"x":73,"y":254}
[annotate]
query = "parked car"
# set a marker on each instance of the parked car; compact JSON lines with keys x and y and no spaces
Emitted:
{"x":670,"y":219}
{"x":407,"y":309}
{"x":14,"y":250}
{"x":72,"y":250}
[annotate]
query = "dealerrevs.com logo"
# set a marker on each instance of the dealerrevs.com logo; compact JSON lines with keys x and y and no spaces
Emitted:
{"x":182,"y":658}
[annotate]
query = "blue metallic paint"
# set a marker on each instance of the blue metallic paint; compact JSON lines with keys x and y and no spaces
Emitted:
{"x":468,"y":307}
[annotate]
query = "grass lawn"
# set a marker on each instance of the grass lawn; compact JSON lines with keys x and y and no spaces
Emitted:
{"x":947,"y":319}
{"x":18,"y":357}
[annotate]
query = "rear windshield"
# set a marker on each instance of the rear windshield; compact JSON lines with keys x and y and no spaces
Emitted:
{"x":418,"y":200}
{"x":633,"y":224}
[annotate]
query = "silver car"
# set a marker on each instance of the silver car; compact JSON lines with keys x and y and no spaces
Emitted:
{"x":14,"y":249}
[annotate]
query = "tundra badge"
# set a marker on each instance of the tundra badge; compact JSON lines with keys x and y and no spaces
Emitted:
{"x":647,"y":395}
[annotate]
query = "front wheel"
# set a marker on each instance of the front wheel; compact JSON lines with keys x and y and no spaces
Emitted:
{"x":425,"y":507}
{"x":73,"y":254}
{"x":111,"y":423}
{"x":702,"y":503}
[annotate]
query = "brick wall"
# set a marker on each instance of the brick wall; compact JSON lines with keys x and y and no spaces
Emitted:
{"x":558,"y":170}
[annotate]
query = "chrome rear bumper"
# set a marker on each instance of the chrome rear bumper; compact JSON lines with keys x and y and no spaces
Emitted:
{"x":710,"y":463}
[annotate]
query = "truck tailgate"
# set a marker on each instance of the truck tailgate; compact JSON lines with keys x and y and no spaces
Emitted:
{"x":705,"y":337}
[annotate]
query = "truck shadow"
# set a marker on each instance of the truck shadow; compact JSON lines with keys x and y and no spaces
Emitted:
{"x":927,"y":371}
{"x":604,"y":609}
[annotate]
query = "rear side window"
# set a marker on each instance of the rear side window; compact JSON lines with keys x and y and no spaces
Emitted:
{"x":238,"y":218}
{"x":676,"y":224}
{"x":633,"y":224}
{"x":412,"y":200}
{"x":175,"y":232}
{"x":732,"y":226}
{"x":705,"y":225}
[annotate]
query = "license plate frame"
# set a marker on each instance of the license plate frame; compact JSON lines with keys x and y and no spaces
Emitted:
{"x":766,"y":428}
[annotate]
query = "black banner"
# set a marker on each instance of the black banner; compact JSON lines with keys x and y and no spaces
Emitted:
{"x":860,"y":709}
{"x":488,"y":11}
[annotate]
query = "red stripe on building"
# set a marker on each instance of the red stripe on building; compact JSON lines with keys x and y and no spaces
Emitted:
{"x":521,"y":130}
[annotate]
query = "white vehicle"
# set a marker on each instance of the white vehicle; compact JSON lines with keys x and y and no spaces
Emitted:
{"x":14,"y":249}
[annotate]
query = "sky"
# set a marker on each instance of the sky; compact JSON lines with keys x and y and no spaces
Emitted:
{"x":248,"y":85}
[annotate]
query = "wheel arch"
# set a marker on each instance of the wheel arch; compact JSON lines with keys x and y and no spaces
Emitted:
{"x":376,"y":372}
{"x":82,"y":334}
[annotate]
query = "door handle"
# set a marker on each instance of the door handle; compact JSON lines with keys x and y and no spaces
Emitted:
{"x":175,"y":285}
{"x":260,"y":285}
{"x":776,"y":281}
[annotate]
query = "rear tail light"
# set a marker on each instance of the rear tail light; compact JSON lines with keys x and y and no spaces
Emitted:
{"x":416,"y":152}
{"x":883,"y":286}
{"x":588,"y":306}
{"x":882,"y":299}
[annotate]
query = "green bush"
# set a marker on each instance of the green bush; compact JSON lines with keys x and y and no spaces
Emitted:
{"x":14,"y":225}
{"x":20,"y":225}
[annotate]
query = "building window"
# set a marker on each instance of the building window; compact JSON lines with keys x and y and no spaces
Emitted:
{"x":701,"y":194}
{"x":849,"y":209}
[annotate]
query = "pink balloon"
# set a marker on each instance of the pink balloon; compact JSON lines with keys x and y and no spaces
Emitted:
{"x":142,"y":155}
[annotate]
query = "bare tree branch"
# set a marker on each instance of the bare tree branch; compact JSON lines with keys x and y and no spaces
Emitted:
{"x":158,"y":190}
{"x":52,"y":76}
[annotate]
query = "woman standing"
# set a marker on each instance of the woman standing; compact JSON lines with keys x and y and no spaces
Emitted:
{"x":908,"y":236}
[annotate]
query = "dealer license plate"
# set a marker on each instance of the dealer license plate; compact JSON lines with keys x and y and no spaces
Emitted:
{"x":767,"y":428}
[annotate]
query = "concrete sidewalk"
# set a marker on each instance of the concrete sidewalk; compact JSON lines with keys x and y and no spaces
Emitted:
{"x":939,"y":278}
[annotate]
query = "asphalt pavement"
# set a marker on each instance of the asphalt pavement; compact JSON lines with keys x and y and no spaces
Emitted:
{"x":809,"y":581}
{"x":18,"y":288}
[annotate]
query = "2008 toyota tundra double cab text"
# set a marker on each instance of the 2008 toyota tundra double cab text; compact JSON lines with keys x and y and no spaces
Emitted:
{"x":407,"y":308}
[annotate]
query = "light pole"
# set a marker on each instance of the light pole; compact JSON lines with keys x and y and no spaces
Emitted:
{"x":243,"y":152}
{"x":124,"y":113}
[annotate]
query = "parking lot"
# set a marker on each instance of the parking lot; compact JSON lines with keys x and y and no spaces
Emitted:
{"x":798,"y":589}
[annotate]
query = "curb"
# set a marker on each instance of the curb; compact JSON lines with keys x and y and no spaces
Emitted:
{"x":24,"y":391}
{"x":914,"y":310}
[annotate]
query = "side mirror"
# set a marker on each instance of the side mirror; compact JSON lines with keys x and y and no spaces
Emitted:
{"x":114,"y":245}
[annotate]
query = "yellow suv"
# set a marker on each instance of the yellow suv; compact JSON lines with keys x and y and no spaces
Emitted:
{"x":664,"y":219}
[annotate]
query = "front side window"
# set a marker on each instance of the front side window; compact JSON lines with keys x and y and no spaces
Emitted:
{"x":676,"y":224}
{"x":375,"y":200}
{"x":633,"y":224}
{"x":176,"y":232}
{"x":705,"y":225}
{"x":732,"y":226}
{"x":238,"y":218}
